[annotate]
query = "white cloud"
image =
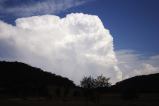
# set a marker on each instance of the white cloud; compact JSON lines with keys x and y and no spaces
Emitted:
{"x":75,"y":46}
{"x":132,"y":63}
{"x":38,"y":7}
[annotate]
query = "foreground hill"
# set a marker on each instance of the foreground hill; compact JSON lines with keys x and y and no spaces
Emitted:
{"x":144,"y":83}
{"x":21,"y":79}
{"x":24,"y":85}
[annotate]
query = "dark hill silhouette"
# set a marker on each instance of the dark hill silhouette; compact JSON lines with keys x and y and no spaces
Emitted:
{"x":144,"y":83}
{"x":21,"y":79}
{"x":21,"y":84}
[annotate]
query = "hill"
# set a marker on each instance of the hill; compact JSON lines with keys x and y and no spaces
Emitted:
{"x":19,"y":79}
{"x":21,"y":84}
{"x":144,"y":83}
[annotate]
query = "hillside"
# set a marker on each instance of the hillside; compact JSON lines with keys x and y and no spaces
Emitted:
{"x":144,"y":83}
{"x":21,"y":79}
{"x":21,"y":84}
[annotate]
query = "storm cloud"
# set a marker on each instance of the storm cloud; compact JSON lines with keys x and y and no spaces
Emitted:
{"x":75,"y":46}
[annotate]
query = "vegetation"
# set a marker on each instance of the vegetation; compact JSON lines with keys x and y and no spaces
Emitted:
{"x":20,"y":83}
{"x":87,"y":82}
{"x":99,"y":82}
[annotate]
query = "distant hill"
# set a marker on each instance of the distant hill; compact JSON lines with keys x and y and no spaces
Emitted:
{"x":21,"y":79}
{"x":144,"y":83}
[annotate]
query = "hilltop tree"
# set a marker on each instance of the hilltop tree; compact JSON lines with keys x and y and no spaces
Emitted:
{"x":100,"y":81}
{"x":88,"y":82}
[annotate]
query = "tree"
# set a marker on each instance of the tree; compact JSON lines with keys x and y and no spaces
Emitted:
{"x":100,"y":81}
{"x":88,"y":82}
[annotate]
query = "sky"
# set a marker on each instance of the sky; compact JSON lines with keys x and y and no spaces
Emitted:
{"x":116,"y":38}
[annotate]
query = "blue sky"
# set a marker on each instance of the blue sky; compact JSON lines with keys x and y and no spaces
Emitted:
{"x":133,"y":24}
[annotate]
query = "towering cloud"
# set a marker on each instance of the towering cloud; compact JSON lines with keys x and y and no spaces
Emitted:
{"x":75,"y":46}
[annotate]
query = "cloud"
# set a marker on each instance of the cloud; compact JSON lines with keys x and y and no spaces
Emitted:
{"x":132,"y":63}
{"x":74,"y":46}
{"x":20,"y":8}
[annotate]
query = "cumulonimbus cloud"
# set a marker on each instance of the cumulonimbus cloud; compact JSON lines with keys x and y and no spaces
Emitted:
{"x":75,"y":46}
